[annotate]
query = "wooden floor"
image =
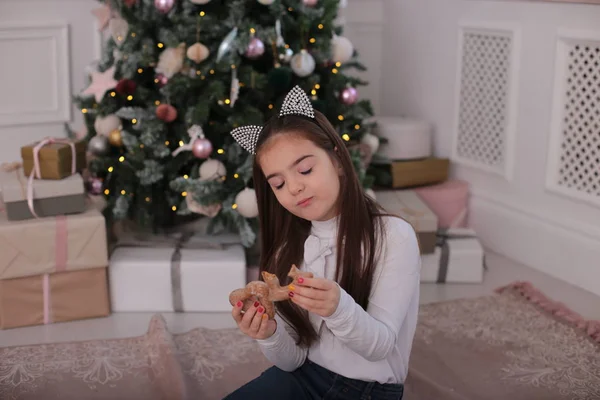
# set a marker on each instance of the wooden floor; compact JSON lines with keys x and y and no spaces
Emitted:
{"x":500,"y":271}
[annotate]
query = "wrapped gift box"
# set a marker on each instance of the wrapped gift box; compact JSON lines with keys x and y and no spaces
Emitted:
{"x":55,"y":159}
{"x":449,"y":201}
{"x":49,"y":197}
{"x":407,"y":139}
{"x":458,"y":258}
{"x":408,"y":174}
{"x":47,"y":245}
{"x":50,"y":298}
{"x":406,"y":204}
{"x":161,"y":279}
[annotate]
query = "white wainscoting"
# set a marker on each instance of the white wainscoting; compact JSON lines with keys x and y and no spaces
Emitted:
{"x":35,"y":75}
{"x":564,"y":248}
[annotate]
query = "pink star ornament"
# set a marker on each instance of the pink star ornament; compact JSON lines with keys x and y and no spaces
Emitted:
{"x":102,"y":14}
{"x":101,"y":82}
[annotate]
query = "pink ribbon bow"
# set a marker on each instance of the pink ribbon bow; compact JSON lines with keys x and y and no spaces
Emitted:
{"x":36,"y":172}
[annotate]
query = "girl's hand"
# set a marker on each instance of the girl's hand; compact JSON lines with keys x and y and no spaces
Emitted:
{"x":254,"y":322}
{"x":317,"y":295}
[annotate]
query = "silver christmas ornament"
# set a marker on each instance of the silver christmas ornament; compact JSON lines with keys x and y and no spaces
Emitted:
{"x":303,"y":64}
{"x":98,"y":145}
{"x":226,"y":44}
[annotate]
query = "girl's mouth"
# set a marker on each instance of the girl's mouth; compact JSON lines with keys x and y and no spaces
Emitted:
{"x":305,"y":202}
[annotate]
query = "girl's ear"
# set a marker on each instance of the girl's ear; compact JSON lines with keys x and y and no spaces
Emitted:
{"x":339,"y":164}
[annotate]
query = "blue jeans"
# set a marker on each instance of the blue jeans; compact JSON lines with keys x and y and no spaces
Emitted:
{"x":313,"y":382}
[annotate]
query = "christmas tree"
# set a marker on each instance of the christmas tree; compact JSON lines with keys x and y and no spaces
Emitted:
{"x":176,"y":76}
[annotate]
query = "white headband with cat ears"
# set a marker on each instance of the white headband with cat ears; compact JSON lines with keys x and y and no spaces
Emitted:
{"x":296,"y":102}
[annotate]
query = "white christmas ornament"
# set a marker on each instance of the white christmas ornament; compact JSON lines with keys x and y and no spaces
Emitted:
{"x":119,"y":28}
{"x":303,"y":64}
{"x":246,"y":202}
{"x":234,"y":91}
{"x":341,"y":49}
{"x":105,"y":125}
{"x":266,"y":2}
{"x":212,"y":169}
{"x":171,"y":61}
{"x":372,"y":141}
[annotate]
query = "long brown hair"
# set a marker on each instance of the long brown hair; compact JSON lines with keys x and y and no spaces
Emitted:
{"x":283,"y":234}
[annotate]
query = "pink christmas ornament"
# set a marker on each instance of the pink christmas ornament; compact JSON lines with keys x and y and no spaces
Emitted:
{"x":164,"y":6}
{"x":310,"y":3}
{"x":95,"y":186}
{"x":166,"y":112}
{"x":102,"y":15}
{"x":161,"y":80}
{"x":255,"y":49}
{"x":101,"y":82}
{"x":349,"y":96}
{"x":201,"y":148}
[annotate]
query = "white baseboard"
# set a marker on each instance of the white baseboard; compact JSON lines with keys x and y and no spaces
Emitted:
{"x":569,"y":253}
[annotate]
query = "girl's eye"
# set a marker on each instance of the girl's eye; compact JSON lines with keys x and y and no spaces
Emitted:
{"x":278,"y":187}
{"x":308,"y":171}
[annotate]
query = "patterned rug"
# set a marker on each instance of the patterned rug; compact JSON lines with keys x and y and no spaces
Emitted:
{"x":515,"y":344}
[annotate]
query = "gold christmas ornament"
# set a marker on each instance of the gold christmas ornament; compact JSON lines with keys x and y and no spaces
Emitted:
{"x":115,"y":138}
{"x":198,"y":52}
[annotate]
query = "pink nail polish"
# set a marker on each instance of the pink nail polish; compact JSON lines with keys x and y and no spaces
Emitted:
{"x":261,"y":310}
{"x":239,"y":304}
{"x":300,"y":280}
{"x":291,"y":294}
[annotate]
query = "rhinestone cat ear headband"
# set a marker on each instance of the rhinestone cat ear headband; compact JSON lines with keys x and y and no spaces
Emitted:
{"x":296,"y":102}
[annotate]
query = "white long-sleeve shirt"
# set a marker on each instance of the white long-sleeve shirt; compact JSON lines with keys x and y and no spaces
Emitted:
{"x":371,"y":345}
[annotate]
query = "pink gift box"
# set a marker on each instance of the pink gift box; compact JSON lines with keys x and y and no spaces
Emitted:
{"x":449,"y":201}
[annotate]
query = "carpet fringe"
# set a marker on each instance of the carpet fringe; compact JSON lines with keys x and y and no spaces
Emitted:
{"x":527,"y":291}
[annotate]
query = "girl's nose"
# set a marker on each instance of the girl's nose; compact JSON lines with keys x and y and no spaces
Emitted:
{"x":295,"y":187}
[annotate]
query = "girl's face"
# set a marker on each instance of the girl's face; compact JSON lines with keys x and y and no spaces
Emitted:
{"x":304,"y":178}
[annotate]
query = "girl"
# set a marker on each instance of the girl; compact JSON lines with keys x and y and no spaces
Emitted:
{"x":346,"y":333}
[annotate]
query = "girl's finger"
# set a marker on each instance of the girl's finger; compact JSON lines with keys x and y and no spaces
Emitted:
{"x":264,"y":325}
{"x":256,"y":321}
{"x":306,"y":303}
{"x":249,"y":316}
{"x":307,"y":292}
{"x":317,"y":283}
{"x":236,"y":312}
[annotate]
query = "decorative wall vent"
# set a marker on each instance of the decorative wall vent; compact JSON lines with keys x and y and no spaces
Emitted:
{"x":574,"y":159}
{"x":485,"y":99}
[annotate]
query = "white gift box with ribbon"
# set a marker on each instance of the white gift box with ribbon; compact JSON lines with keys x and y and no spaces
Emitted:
{"x":175,"y":276}
{"x":408,"y":205}
{"x":458,"y":258}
